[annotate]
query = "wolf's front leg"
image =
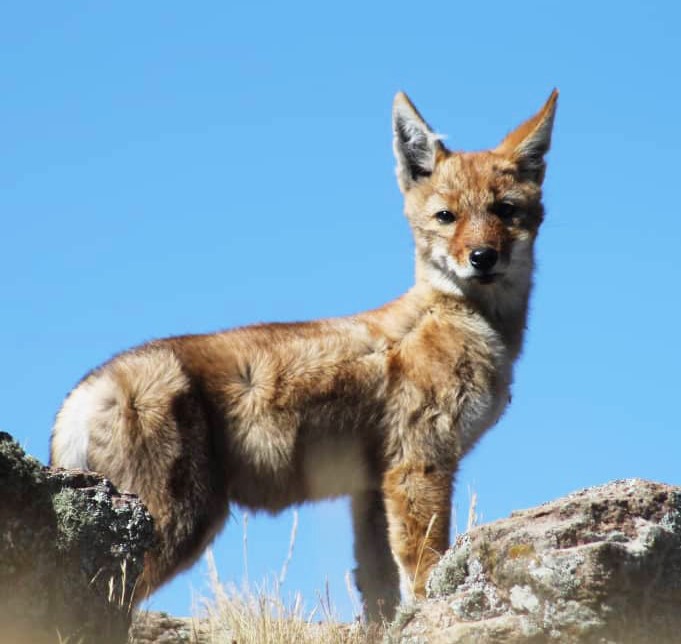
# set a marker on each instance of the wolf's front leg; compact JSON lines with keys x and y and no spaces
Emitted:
{"x":376,"y":574}
{"x":418,"y":505}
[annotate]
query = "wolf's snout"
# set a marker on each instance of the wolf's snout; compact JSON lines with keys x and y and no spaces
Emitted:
{"x":484,"y":259}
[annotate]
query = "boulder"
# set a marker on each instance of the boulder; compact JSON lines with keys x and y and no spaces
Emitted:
{"x":600,"y":565}
{"x":71,"y":549}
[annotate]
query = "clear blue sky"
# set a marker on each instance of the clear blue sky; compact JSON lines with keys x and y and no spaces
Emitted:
{"x":177,"y":167}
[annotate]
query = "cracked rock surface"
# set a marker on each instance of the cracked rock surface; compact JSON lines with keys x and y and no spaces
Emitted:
{"x":599,"y":565}
{"x":71,"y":548}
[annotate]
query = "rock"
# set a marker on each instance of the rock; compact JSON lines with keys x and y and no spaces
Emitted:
{"x":71,"y":548}
{"x":151,"y":627}
{"x":600,"y":565}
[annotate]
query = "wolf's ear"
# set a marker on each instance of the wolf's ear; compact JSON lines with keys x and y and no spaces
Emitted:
{"x":416,"y":145}
{"x":528,"y":143}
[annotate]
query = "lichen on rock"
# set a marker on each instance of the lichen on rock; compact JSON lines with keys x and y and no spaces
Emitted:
{"x":600,"y":565}
{"x":71,"y":549}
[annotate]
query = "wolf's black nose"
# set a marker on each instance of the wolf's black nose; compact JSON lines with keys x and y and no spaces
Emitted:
{"x":484,"y":258}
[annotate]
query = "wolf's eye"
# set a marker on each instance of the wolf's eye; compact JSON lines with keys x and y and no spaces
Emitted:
{"x":445,"y":217}
{"x":504,"y":209}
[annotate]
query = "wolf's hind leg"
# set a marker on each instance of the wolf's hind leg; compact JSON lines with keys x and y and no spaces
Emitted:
{"x":183,"y":531}
{"x":376,"y":573}
{"x":188,"y":498}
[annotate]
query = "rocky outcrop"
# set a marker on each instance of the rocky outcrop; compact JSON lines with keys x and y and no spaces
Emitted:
{"x":71,"y":548}
{"x":600,"y":565}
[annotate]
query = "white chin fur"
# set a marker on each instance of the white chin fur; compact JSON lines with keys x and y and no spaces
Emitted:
{"x":442,"y":281}
{"x":444,"y":274}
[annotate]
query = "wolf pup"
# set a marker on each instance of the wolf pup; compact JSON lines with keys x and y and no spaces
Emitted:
{"x":380,"y":406}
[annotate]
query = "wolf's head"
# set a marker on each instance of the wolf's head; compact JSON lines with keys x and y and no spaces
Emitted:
{"x":474,"y":215}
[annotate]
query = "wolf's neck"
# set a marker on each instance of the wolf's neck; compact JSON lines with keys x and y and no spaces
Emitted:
{"x":504,"y":305}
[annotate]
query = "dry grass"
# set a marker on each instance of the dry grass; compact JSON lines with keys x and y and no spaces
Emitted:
{"x":259,"y":614}
{"x":262,"y":614}
{"x":255,"y":614}
{"x":473,"y":516}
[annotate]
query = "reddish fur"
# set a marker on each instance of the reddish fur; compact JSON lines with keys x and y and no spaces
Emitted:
{"x":418,"y":504}
{"x":515,"y":138}
{"x":381,"y":405}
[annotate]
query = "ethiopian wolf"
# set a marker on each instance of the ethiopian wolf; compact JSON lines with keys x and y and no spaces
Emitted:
{"x":380,"y":406}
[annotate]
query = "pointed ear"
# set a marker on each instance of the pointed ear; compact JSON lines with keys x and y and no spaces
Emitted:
{"x":416,"y":146}
{"x":528,"y":144}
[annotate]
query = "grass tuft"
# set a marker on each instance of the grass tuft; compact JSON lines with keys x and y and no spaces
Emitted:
{"x":257,"y":613}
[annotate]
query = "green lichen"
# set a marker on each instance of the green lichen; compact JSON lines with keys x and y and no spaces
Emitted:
{"x":488,"y":556}
{"x":521,"y":551}
{"x":450,"y":572}
{"x":74,"y":517}
{"x":405,"y":613}
{"x":672,"y":520}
